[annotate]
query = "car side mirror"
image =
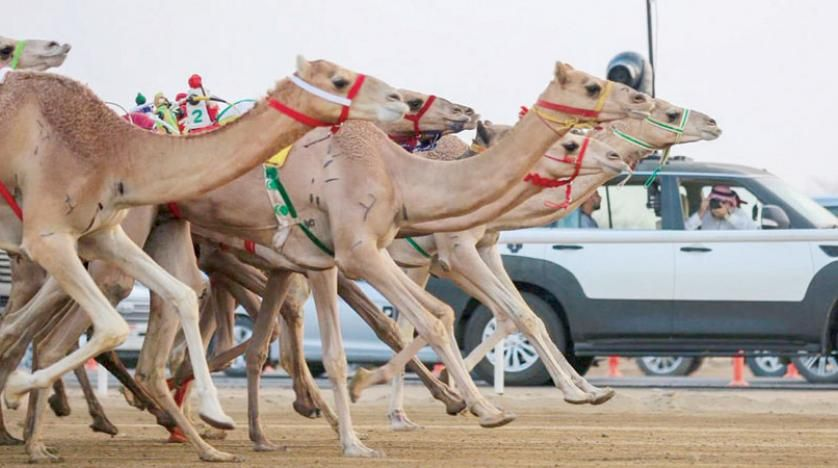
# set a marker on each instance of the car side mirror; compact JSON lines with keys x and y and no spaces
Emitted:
{"x":774,"y":217}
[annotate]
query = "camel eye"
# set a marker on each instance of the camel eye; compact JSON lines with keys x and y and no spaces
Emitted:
{"x":593,"y":89}
{"x":340,"y":82}
{"x":415,"y":104}
{"x":672,"y":115}
{"x":570,"y":146}
{"x":6,"y":51}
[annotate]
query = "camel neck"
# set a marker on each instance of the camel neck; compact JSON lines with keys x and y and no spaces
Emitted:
{"x":163,"y":168}
{"x":434,"y":190}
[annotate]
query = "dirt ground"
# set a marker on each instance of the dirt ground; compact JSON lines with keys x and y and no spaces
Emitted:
{"x":639,"y":427}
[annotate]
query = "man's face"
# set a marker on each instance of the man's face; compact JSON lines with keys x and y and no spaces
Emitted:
{"x":595,"y":201}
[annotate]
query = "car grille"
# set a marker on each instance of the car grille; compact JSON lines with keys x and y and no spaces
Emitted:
{"x":5,"y":268}
{"x":134,"y":311}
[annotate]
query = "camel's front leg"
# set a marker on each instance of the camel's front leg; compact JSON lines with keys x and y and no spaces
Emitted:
{"x":365,"y":260}
{"x":257,"y":352}
{"x":387,"y":331}
{"x":324,"y":286}
{"x":493,"y":260}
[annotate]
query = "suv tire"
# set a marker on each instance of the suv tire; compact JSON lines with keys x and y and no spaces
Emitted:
{"x":817,"y":368}
{"x":668,"y":366}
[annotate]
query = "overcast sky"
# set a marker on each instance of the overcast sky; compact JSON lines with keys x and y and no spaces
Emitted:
{"x":764,"y":69}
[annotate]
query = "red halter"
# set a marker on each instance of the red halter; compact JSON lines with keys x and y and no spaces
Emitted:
{"x":314,"y":122}
{"x":411,"y":141}
{"x":546,"y":182}
{"x":10,"y":199}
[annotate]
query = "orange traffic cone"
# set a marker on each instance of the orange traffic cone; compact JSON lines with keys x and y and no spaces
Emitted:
{"x":614,"y":366}
{"x":792,"y":372}
{"x":738,"y":373}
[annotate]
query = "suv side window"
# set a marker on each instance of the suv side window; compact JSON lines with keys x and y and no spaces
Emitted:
{"x":626,"y":207}
{"x":692,"y":191}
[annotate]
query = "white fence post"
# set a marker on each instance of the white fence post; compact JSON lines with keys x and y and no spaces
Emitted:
{"x":499,"y":366}
{"x":101,"y":380}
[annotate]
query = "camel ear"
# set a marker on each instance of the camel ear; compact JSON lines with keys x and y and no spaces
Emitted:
{"x":561,"y":72}
{"x":483,"y":133}
{"x":303,"y":66}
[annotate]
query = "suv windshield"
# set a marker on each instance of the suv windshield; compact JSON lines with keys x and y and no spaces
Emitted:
{"x":818,"y":215}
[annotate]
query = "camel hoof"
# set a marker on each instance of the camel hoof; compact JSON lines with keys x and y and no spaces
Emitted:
{"x":214,"y":455}
{"x":399,"y":422}
{"x":226,"y":423}
{"x":455,"y":407}
{"x":360,"y":450}
{"x":176,"y":436}
{"x":501,"y":419}
{"x":101,"y":424}
{"x":359,"y":382}
{"x":211,"y":433}
{"x":577,"y":399}
{"x":602,"y":396}
{"x":59,"y":405}
{"x":16,"y":385}
{"x":268,"y":446}
{"x":311,"y":412}
{"x":40,"y":453}
{"x":7,"y":439}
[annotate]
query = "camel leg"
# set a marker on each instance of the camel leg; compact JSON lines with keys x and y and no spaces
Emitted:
{"x":257,"y":352}
{"x":309,"y":401}
{"x":325,"y":289}
{"x":115,"y":246}
{"x":36,"y":449}
{"x":493,"y":260}
{"x":94,"y":408}
{"x":58,"y":400}
{"x":432,"y":318}
{"x":387,"y":331}
{"x":58,"y":255}
{"x":472,"y":275}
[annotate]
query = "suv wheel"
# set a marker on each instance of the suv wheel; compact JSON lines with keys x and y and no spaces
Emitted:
{"x":767,"y":366}
{"x":668,"y":366}
{"x":242,"y":330}
{"x":522,"y":364}
{"x":817,"y":368}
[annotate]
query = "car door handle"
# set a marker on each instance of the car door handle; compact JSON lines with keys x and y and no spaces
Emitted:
{"x":696,"y":249}
{"x":567,"y":247}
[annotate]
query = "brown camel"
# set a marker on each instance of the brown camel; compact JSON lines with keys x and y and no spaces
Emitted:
{"x":394,"y":197}
{"x":441,"y":117}
{"x":470,"y":258}
{"x":99,"y":166}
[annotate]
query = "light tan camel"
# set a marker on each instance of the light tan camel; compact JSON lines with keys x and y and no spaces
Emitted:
{"x":31,"y":54}
{"x":28,"y":54}
{"x":442,"y":117}
{"x":470,"y":258}
{"x":367,"y":219}
{"x":99,"y":165}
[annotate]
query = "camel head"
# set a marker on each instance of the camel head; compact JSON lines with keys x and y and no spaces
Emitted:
{"x":577,"y":94}
{"x":32,"y":54}
{"x":441,"y":116}
{"x":666,"y":126}
{"x":488,"y":134}
{"x":597,"y":157}
{"x":375,"y":99}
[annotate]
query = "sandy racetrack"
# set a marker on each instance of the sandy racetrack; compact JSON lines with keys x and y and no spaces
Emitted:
{"x":640,"y":427}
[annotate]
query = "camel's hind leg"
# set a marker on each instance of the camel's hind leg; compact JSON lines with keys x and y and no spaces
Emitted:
{"x":492,"y":259}
{"x":100,"y":423}
{"x":115,"y":246}
{"x":58,"y":255}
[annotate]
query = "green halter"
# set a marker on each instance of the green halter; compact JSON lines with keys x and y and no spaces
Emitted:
{"x":679,"y":133}
{"x":19,"y":46}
